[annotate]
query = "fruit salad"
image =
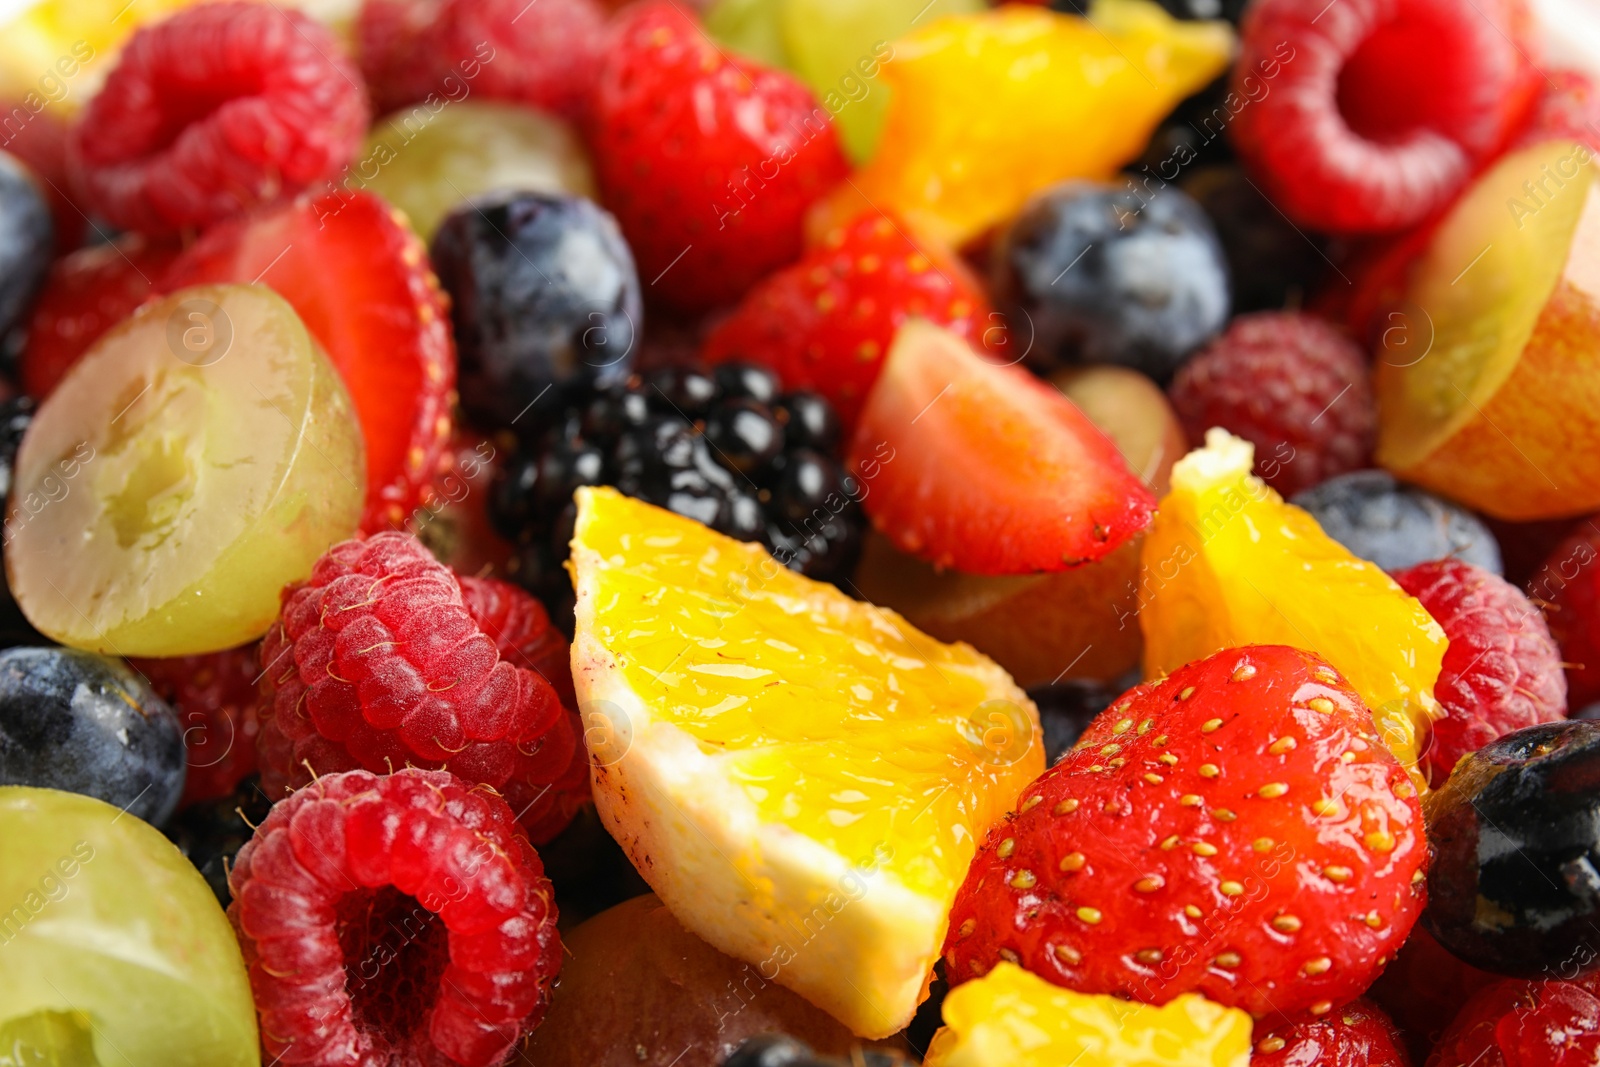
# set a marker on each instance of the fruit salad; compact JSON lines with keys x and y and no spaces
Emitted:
{"x":800,"y":533}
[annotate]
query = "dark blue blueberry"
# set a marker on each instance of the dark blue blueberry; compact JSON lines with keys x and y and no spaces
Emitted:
{"x":88,"y":724}
{"x":1111,"y":274}
{"x":545,"y":301}
{"x":1515,"y":883}
{"x":1269,"y":260}
{"x":1397,"y":526}
{"x":26,"y":241}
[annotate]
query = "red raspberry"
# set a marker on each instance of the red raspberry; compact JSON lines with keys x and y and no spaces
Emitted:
{"x":1356,"y":1035}
{"x":708,"y":162}
{"x":1518,"y":1023}
{"x":215,"y":696}
{"x":1568,"y":586}
{"x":394,"y":42}
{"x":395,"y":919}
{"x":377,"y":662}
{"x":1368,"y":115}
{"x":1290,"y":384}
{"x":1568,"y":108}
{"x":215,"y":110}
{"x":1423,"y":989}
{"x":1236,"y":829}
{"x":1501,"y":670}
{"x":522,"y":631}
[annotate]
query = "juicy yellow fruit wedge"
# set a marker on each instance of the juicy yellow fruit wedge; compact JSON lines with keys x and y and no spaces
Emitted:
{"x":1228,"y":563}
{"x":801,"y":777}
{"x":60,"y":51}
{"x":196,"y":460}
{"x":987,"y":109}
{"x":1494,"y":397}
{"x":1011,"y":1018}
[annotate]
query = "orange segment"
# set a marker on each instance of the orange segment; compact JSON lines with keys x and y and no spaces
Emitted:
{"x":1228,"y":563}
{"x":1011,"y":1018}
{"x":987,"y":109}
{"x":765,"y":747}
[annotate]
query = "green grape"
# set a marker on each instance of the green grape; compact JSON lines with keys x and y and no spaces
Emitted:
{"x":750,"y":27}
{"x":425,"y":162}
{"x":113,"y":951}
{"x":199,"y":457}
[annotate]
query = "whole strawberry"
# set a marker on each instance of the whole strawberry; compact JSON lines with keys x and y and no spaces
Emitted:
{"x":826,"y":322}
{"x":708,"y":162}
{"x":1502,"y":670}
{"x":1236,"y":829}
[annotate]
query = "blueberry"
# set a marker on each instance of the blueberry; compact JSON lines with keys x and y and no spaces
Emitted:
{"x":1397,"y":526}
{"x":781,"y":1050}
{"x":1112,"y":274}
{"x":744,"y":435}
{"x":544,"y":297}
{"x":1515,"y":883}
{"x":26,"y":241}
{"x":88,"y":724}
{"x":1269,"y":260}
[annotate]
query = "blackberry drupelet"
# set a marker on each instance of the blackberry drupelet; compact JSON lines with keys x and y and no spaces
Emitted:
{"x":725,"y":447}
{"x":211,"y":833}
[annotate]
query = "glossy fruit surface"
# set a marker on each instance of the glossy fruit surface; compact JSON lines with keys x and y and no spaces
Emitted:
{"x":1395,"y":525}
{"x":987,"y":109}
{"x":1236,"y":829}
{"x":986,"y":469}
{"x":1357,"y":1034}
{"x":759,"y":719}
{"x":427,"y":163}
{"x":1424,"y":988}
{"x":87,"y":724}
{"x":1100,"y":273}
{"x":360,"y":281}
{"x":114,"y":944}
{"x":88,"y":292}
{"x":1506,"y":293}
{"x":545,"y":301}
{"x":637,"y":980}
{"x":1374,"y":117}
{"x":202,"y":455}
{"x":1010,"y":1018}
{"x":26,"y":240}
{"x":1512,"y":837}
{"x":827,"y":322}
{"x":1525,"y":1024}
{"x":1228,"y":563}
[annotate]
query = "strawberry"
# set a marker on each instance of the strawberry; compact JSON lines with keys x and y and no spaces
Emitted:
{"x":825,"y":322}
{"x":985,"y":468}
{"x":1236,"y":829}
{"x":708,"y":161}
{"x":360,"y":280}
{"x":86,"y":294}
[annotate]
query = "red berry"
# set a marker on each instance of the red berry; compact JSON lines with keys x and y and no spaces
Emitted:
{"x":397,"y":919}
{"x":985,"y":468}
{"x":1518,"y":1023}
{"x":709,"y":162}
{"x":1502,"y":670}
{"x":1568,"y":586}
{"x":87,"y":293}
{"x":1568,"y":109}
{"x":1423,"y":989}
{"x":1365,"y":116}
{"x":394,"y":42}
{"x":546,"y":55}
{"x":1236,"y":829}
{"x":360,"y":280}
{"x":826,"y":322}
{"x":40,"y":141}
{"x":215,"y":696}
{"x":215,"y":110}
{"x":378,"y":662}
{"x":1355,"y":1035}
{"x":1290,"y":384}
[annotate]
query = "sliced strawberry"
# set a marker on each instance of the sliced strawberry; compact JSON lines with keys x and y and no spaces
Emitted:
{"x":826,"y":322}
{"x":360,"y":279}
{"x":986,"y":469}
{"x":87,"y":293}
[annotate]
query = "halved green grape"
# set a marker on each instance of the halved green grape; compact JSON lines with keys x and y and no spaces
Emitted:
{"x":426,"y":162}
{"x":113,"y":952}
{"x":201,"y":456}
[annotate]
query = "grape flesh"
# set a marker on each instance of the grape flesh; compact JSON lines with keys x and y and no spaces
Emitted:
{"x":199,"y":458}
{"x":113,"y":950}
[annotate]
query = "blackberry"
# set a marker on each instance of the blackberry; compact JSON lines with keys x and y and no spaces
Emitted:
{"x":212,"y":832}
{"x":16,"y":414}
{"x":725,"y":447}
